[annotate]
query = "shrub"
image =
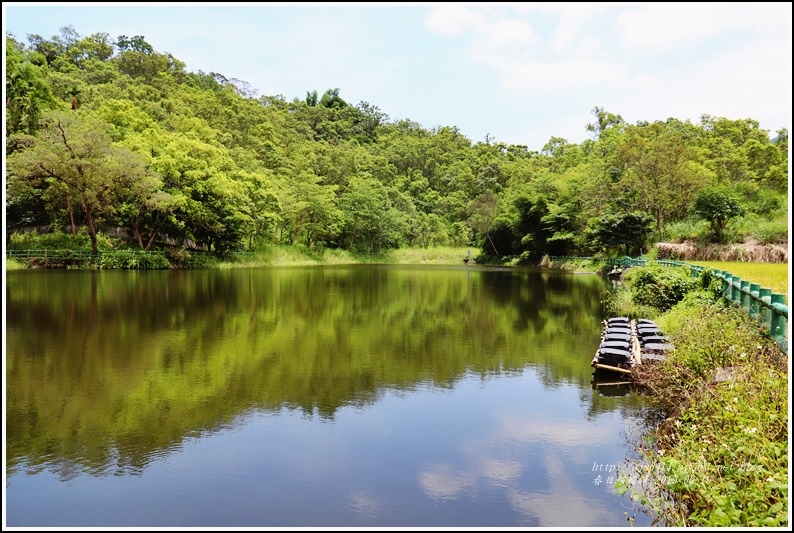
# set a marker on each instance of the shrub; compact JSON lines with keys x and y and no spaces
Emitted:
{"x":133,"y":260}
{"x":13,"y":264}
{"x":659,"y":286}
{"x":770,"y":232}
{"x":688,"y":229}
{"x":619,"y":303}
{"x":182,"y":258}
{"x":56,"y":240}
{"x":721,"y":458}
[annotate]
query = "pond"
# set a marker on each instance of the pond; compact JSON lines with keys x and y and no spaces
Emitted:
{"x":344,"y":396}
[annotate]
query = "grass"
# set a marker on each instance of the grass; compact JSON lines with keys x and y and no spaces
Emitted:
{"x":302,"y":256}
{"x":720,"y":457}
{"x":774,"y":276}
{"x":13,"y":264}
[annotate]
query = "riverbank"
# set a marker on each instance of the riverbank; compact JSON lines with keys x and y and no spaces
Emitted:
{"x":276,"y":255}
{"x":302,"y":256}
{"x":719,"y":456}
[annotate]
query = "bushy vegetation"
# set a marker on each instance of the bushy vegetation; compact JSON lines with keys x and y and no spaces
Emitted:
{"x":659,"y":286}
{"x":621,"y":303}
{"x":13,"y":264}
{"x":721,"y":456}
{"x":764,"y":219}
{"x":133,"y":260}
{"x":575,"y":264}
{"x":56,"y":240}
{"x":107,"y":133}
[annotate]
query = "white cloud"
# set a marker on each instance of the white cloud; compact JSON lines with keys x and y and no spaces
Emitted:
{"x":646,"y":61}
{"x":679,"y":25}
{"x":746,"y":83}
{"x":444,"y":482}
{"x":501,"y":472}
{"x":453,"y":20}
{"x":518,"y":76}
{"x":505,"y":36}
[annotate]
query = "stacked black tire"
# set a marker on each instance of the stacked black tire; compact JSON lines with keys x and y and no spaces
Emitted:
{"x":616,"y":344}
{"x":653,"y":343}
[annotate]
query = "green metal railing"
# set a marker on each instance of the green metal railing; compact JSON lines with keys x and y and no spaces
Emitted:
{"x":51,"y":254}
{"x":59,"y":254}
{"x":759,"y":302}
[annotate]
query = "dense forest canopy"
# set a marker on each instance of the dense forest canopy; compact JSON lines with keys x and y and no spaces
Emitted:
{"x":105,"y":133}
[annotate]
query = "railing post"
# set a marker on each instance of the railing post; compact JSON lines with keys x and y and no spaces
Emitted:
{"x":778,"y":326}
{"x":745,"y":294}
{"x":736,"y":293}
{"x":754,"y":305}
{"x":724,"y":278}
{"x":765,"y":295}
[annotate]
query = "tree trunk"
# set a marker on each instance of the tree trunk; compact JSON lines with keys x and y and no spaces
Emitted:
{"x":138,"y":235}
{"x":352,"y":237}
{"x":488,"y":235}
{"x":298,"y":225}
{"x":150,"y":242}
{"x":89,"y":221}
{"x":71,"y":214}
{"x":659,"y":224}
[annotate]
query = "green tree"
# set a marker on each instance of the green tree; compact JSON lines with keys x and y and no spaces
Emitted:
{"x":718,"y":205}
{"x":134,"y":44}
{"x":483,"y":214}
{"x":311,"y":98}
{"x":76,"y":164}
{"x":604,"y":121}
{"x":626,"y":230}
{"x":660,"y":171}
{"x":365,"y":205}
{"x":332,"y":100}
{"x":28,"y":94}
{"x":261,"y":209}
{"x":308,"y":208}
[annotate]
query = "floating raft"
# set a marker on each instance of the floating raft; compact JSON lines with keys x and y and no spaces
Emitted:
{"x":626,"y":343}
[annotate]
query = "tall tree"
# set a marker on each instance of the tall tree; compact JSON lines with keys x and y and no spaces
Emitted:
{"x":718,"y":205}
{"x":366,"y":205}
{"x":75,"y":162}
{"x":484,"y":210}
{"x":28,"y":94}
{"x":629,"y":230}
{"x":661,"y":173}
{"x":604,"y":121}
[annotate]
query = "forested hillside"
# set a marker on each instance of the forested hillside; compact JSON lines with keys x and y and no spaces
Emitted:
{"x":105,"y":132}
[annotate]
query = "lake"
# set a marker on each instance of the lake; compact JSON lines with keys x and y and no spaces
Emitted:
{"x":342,"y":396}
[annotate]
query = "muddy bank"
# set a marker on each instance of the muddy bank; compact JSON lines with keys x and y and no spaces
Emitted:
{"x":748,"y":251}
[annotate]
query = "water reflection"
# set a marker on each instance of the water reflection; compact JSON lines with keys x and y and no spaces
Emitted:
{"x":308,"y":379}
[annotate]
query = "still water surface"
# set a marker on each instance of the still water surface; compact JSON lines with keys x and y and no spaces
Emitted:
{"x":348,"y":396}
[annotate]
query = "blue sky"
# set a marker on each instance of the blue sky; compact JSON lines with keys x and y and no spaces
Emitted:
{"x":519,"y":73}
